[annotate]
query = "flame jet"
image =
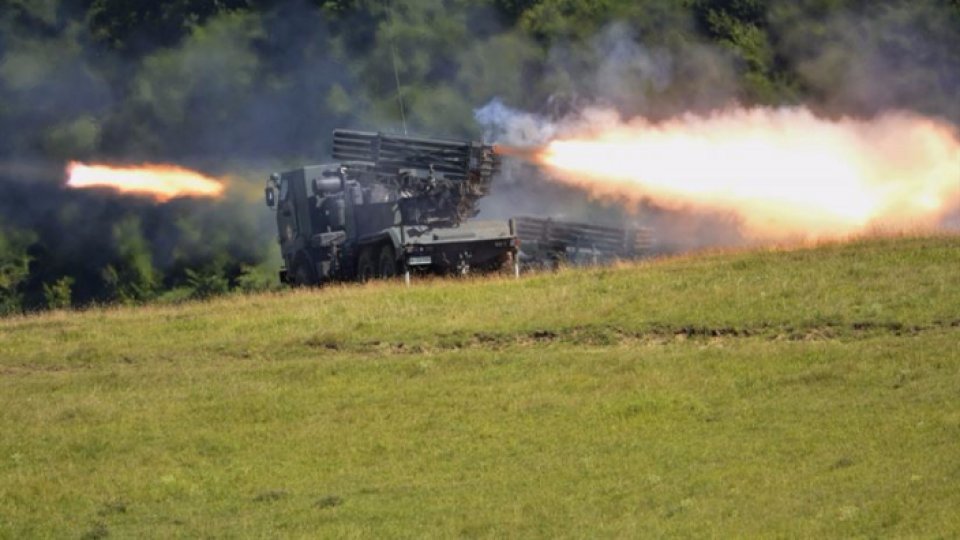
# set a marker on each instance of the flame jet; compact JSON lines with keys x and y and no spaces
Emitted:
{"x":786,"y":173}
{"x":527,"y":153}
{"x":159,"y":182}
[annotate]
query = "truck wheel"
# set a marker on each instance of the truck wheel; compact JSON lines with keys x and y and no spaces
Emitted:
{"x":387,"y":262}
{"x":303,"y":273}
{"x":504,"y":264}
{"x":365,"y":269}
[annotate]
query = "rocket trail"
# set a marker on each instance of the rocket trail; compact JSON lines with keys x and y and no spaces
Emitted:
{"x":159,"y":182}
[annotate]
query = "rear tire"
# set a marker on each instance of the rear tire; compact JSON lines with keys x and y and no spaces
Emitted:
{"x":303,"y":273}
{"x":365,"y":269}
{"x":387,"y":262}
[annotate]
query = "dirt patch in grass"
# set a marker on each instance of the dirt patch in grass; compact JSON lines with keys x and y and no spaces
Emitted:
{"x":604,"y":335}
{"x":271,"y":495}
{"x":330,"y":501}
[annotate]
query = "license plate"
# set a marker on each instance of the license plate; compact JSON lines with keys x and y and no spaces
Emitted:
{"x":419,"y":261}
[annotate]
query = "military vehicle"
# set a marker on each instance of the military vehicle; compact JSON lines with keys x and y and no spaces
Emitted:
{"x":388,"y":205}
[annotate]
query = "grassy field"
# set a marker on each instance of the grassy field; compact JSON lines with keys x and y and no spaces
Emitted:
{"x":811,"y":392}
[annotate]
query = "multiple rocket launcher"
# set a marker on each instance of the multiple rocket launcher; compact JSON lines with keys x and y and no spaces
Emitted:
{"x":468,"y":169}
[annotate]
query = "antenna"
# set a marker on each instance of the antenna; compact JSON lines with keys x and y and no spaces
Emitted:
{"x":396,"y":77}
{"x":396,"y":74}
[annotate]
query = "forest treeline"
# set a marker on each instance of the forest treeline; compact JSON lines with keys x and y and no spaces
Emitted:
{"x":237,"y":88}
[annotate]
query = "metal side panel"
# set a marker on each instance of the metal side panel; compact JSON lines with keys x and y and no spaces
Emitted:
{"x":471,"y":231}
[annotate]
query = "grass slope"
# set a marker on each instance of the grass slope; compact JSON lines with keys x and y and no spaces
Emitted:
{"x":804,"y":393}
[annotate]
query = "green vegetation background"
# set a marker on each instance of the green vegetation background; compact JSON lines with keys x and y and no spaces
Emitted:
{"x":243,"y":87}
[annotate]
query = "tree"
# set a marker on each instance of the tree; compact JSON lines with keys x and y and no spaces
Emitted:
{"x":58,"y":294}
{"x":131,"y":278}
{"x":135,"y":27}
{"x":206,"y":283}
{"x":14,"y":268}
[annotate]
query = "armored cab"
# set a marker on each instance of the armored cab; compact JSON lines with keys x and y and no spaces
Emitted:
{"x":389,"y":205}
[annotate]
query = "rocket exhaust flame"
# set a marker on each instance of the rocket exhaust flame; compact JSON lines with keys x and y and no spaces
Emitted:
{"x":529,"y":153}
{"x":160,"y":182}
{"x":785,"y":172}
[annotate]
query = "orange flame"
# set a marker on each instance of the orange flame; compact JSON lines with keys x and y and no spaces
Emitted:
{"x":784,"y":172}
{"x":161,"y":182}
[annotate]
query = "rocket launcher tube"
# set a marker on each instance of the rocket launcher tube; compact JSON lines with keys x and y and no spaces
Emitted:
{"x":456,"y":160}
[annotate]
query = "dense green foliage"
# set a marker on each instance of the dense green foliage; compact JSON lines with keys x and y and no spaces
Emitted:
{"x":806,"y":393}
{"x":241,"y":87}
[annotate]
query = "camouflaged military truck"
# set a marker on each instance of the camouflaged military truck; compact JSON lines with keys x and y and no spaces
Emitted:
{"x":389,"y":205}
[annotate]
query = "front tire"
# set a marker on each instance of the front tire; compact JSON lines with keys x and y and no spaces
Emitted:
{"x":387,"y":262}
{"x":365,"y":269}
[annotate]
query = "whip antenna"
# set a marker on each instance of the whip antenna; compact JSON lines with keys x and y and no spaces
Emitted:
{"x":396,"y":74}
{"x":396,"y":77}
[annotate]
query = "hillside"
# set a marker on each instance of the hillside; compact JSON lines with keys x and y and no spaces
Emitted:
{"x":807,"y":392}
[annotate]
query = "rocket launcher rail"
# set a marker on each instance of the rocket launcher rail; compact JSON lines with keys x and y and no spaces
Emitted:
{"x":547,"y":239}
{"x":455,"y":160}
